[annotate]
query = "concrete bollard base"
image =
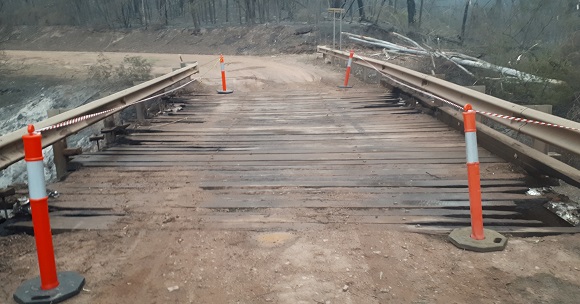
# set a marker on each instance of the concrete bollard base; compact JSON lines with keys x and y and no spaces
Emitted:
{"x":70,"y":284}
{"x":225,"y":92}
{"x":494,"y":241}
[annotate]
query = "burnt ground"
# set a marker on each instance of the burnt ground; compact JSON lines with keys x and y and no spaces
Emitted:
{"x":265,"y":39}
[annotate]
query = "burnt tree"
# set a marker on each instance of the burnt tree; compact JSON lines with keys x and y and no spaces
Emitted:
{"x":361,"y":10}
{"x":411,"y":12}
{"x":464,"y":23}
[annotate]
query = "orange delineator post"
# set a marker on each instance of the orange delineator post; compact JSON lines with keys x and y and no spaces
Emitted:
{"x":348,"y":67}
{"x":223,"y":67}
{"x":50,"y":287}
{"x":39,"y":206}
{"x":224,"y":85}
{"x":473,"y":174}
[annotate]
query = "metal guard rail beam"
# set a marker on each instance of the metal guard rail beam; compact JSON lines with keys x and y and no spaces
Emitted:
{"x":563,"y":138}
{"x":11,"y":146}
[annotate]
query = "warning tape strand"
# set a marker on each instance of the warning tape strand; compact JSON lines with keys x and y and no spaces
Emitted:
{"x":513,"y":118}
{"x":520,"y":119}
{"x":89,"y":116}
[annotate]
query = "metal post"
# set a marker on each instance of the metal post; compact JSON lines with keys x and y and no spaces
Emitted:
{"x":340,"y":32}
{"x":333,"y":30}
{"x":536,"y":143}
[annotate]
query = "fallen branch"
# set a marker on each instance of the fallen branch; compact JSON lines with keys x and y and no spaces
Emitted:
{"x":458,"y":59}
{"x":506,"y":71}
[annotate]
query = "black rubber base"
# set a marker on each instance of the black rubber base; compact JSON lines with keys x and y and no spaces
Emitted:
{"x":225,"y":92}
{"x":343,"y":87}
{"x":71,"y":284}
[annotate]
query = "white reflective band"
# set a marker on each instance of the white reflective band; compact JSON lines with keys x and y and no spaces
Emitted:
{"x":471,"y":147}
{"x":349,"y":61}
{"x":223,"y":65}
{"x":36,"y":184}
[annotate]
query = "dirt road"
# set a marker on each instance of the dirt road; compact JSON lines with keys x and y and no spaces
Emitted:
{"x":162,"y":254}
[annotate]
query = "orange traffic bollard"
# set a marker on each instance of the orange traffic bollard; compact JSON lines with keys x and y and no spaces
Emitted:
{"x":347,"y":76}
{"x":475,"y":238}
{"x":50,"y":287}
{"x":224,"y":85}
{"x":473,"y":176}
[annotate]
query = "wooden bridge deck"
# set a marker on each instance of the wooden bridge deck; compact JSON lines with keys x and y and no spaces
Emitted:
{"x":298,"y":159}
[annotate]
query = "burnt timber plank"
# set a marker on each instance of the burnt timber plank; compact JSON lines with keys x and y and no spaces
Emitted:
{"x":60,"y":224}
{"x":266,"y":158}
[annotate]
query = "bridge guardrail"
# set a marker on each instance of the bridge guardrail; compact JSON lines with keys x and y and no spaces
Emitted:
{"x":567,"y":139}
{"x":11,"y":145}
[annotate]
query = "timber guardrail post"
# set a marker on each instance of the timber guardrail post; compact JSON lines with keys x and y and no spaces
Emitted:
{"x":109,"y":123}
{"x":60,"y":161}
{"x":140,"y":111}
{"x":61,"y":151}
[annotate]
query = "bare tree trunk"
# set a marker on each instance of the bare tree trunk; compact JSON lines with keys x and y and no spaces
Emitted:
{"x":262,"y":11}
{"x":253,"y":11}
{"x":411,"y":12}
{"x":207,"y":5}
{"x":290,"y":8}
{"x":379,"y":12}
{"x":78,"y":9}
{"x":240,"y":11}
{"x":361,"y":10}
{"x":202,"y":13}
{"x":421,"y":13}
{"x":465,"y":14}
{"x":166,"y":17}
{"x":194,"y":15}
{"x":247,"y":10}
{"x":349,"y":10}
{"x":267,"y":10}
{"x":227,"y":11}
{"x":144,"y":14}
{"x":497,"y":10}
{"x":213,"y":12}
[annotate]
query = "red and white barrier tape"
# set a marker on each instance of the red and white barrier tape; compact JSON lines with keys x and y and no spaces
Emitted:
{"x":513,"y":118}
{"x":77,"y":120}
{"x":519,"y":119}
{"x":89,"y":116}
